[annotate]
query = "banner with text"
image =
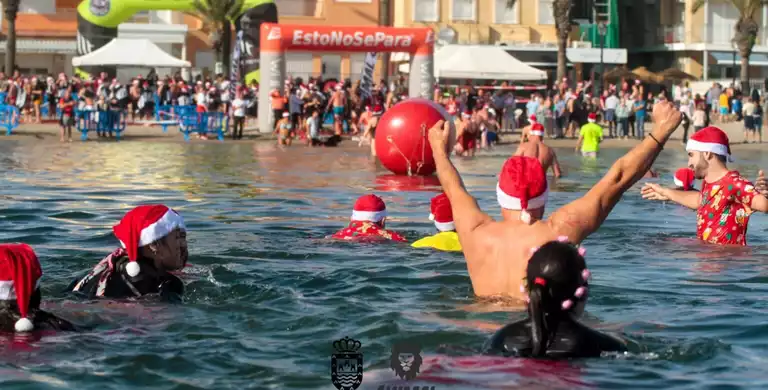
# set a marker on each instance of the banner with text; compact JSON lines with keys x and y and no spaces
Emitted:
{"x":236,"y":66}
{"x":366,"y":79}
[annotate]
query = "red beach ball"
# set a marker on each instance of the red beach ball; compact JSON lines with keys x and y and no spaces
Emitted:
{"x":401,"y":136}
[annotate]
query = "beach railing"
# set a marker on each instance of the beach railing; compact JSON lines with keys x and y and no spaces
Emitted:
{"x":169,"y":115}
{"x":107,"y":121}
{"x":9,"y":117}
{"x":204,"y":123}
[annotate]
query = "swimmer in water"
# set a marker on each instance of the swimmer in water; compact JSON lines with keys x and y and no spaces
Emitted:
{"x":726,"y":200}
{"x":446,"y":238}
{"x":20,"y":295}
{"x":537,"y":149}
{"x":154,"y":243}
{"x":497,"y":253}
{"x":684,"y":178}
{"x":556,"y":283}
{"x":284,"y":130}
{"x":368,"y":222}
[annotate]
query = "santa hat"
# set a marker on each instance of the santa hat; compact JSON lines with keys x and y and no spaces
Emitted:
{"x":286,"y":114}
{"x":710,"y":139}
{"x":466,"y":114}
{"x":537,"y":129}
{"x":143,"y":226}
{"x":532,"y":118}
{"x":20,"y":274}
{"x":522,"y":185}
{"x":441,"y":214}
{"x":369,"y":208}
{"x":592,"y":117}
{"x":684,"y":178}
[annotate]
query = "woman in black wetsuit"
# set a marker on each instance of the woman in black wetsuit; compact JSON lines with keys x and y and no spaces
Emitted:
{"x":154,"y":241}
{"x":557,"y":293}
{"x":20,"y":295}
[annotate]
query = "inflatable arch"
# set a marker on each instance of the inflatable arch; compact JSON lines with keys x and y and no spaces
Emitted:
{"x":276,"y":39}
{"x":97,"y":22}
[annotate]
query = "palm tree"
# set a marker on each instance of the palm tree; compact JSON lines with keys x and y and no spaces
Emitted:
{"x":561,"y":11}
{"x":11,"y":9}
{"x":217,"y":17}
{"x":745,"y":31}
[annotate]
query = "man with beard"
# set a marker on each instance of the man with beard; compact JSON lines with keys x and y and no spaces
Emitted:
{"x":726,"y":199}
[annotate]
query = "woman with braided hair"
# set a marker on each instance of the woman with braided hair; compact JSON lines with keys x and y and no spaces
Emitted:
{"x":557,"y":286}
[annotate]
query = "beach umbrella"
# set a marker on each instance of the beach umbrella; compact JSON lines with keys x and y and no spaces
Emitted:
{"x":643,"y":74}
{"x":618,"y":73}
{"x":675,"y":74}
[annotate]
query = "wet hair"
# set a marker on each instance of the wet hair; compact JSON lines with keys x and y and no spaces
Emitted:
{"x":555,"y":272}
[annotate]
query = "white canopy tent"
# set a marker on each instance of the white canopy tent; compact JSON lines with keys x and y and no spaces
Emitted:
{"x":130,"y":53}
{"x":482,"y":62}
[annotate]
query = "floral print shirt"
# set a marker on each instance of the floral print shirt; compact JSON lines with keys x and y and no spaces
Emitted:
{"x":363,"y":230}
{"x":723,"y":214}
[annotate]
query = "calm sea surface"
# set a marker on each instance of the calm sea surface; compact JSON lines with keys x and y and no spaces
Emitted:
{"x":267,"y":295}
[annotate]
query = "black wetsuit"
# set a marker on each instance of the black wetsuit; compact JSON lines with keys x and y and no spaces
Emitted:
{"x":42,"y":320}
{"x":120,"y":285}
{"x":572,"y":340}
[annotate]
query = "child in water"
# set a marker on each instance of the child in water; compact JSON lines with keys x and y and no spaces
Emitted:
{"x":557,"y":282}
{"x":154,"y":241}
{"x":20,"y":295}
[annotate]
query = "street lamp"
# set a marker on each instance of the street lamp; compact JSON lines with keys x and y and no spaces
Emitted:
{"x":733,"y":69}
{"x":602,"y":30}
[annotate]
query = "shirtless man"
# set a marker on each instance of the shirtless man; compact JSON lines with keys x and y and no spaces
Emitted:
{"x":497,"y":252}
{"x":461,"y":126}
{"x":338,"y":101}
{"x":537,"y":149}
{"x":527,"y":128}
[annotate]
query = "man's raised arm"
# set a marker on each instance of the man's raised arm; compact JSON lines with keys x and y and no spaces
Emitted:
{"x":580,"y":218}
{"x":466,"y":213}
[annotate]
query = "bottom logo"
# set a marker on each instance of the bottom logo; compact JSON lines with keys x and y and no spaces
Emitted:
{"x":405,"y":360}
{"x":347,"y":364}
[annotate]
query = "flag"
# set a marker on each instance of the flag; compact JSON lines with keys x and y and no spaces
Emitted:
{"x":367,"y":76}
{"x":235,"y":69}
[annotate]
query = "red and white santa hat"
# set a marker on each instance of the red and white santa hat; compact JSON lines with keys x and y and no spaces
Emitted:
{"x":466,"y":114}
{"x":592,"y":117}
{"x":20,"y":274}
{"x":441,"y":213}
{"x":684,"y":178}
{"x":142,"y":226}
{"x":532,"y":118}
{"x":369,"y":208}
{"x":522,"y":186}
{"x":710,"y":139}
{"x":537,"y":129}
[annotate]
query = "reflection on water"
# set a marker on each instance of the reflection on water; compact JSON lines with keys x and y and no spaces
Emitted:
{"x":267,"y":295}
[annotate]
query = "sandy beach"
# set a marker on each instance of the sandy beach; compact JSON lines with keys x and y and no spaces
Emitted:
{"x":49,"y":133}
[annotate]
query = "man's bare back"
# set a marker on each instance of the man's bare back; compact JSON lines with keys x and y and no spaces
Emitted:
{"x":542,"y":152}
{"x":497,"y":253}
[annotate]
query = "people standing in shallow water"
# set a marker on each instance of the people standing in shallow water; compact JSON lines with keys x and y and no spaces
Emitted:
{"x":726,"y":200}
{"x":20,"y":295}
{"x":369,"y":216}
{"x":497,"y":253}
{"x":537,"y":149}
{"x":557,"y":285}
{"x":446,"y":238}
{"x":154,"y":242}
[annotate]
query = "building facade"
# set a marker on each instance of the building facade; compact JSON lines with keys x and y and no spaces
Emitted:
{"x":667,"y":33}
{"x":526,"y":30}
{"x":47,"y":35}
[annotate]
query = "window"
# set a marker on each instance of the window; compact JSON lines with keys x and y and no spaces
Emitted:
{"x":546,"y":15}
{"x":503,"y":14}
{"x":463,"y":9}
{"x":425,"y":11}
